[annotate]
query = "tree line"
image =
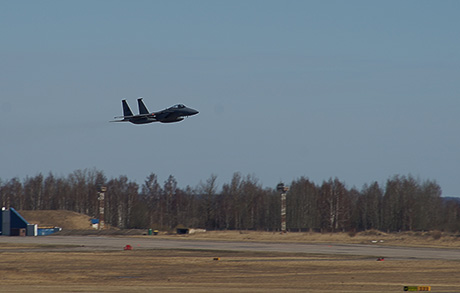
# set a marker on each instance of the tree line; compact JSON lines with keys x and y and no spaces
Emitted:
{"x":404,"y":203}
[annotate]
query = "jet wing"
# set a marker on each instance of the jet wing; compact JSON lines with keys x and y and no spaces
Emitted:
{"x":136,"y":116}
{"x":128,"y":118}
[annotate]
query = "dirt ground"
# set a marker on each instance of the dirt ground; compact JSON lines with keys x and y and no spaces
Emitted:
{"x":212,"y":271}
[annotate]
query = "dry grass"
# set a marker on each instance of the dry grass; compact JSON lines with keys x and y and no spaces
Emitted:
{"x":47,"y":270}
{"x":78,"y":224}
{"x":57,"y":218}
{"x":196,"y":271}
{"x":414,"y":239}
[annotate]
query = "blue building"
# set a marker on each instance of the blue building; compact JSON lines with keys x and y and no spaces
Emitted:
{"x":13,"y":224}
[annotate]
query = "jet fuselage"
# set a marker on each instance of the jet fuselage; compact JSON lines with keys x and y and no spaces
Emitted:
{"x":172,"y":114}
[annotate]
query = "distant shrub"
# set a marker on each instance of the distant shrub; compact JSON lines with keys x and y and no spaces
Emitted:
{"x":371,"y":232}
{"x":436,"y":235}
{"x":352,"y":233}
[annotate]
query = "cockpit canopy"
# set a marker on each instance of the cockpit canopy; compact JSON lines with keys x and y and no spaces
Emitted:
{"x":178,"y":106}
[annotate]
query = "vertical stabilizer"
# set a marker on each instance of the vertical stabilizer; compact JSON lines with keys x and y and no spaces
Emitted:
{"x":142,"y":107}
{"x":126,"y":109}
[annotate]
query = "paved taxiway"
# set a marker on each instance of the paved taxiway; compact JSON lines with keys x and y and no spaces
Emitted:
{"x":117,"y":243}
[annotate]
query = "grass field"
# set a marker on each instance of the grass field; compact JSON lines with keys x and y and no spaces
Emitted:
{"x":198,"y":271}
{"x":408,"y":239}
{"x":44,"y":268}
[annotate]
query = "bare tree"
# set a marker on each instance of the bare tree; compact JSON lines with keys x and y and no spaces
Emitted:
{"x":13,"y":194}
{"x":334,"y":205}
{"x":33,"y":191}
{"x":208,"y":193}
{"x":120,"y":199}
{"x":302,"y":205}
{"x":151,"y":193}
{"x":405,"y":203}
{"x":231,"y":197}
{"x":369,"y":207}
{"x":170,"y":199}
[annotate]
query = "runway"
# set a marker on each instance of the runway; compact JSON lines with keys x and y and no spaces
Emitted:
{"x":88,"y":243}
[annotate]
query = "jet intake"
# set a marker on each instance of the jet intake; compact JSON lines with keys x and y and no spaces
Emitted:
{"x":172,"y":120}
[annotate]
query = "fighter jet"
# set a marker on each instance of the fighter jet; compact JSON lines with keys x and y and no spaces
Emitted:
{"x":175,"y":113}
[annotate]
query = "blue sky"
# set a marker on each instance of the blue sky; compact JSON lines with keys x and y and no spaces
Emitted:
{"x":359,"y":90}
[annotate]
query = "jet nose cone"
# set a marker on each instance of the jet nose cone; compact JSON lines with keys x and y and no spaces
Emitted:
{"x":193,"y":112}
